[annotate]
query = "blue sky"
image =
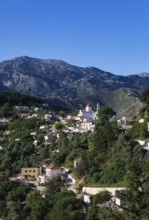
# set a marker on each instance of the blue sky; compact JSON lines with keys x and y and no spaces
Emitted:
{"x":112,"y":35}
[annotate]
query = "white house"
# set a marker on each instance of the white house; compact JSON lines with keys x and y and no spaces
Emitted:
{"x":69,"y":117}
{"x":87,"y":125}
{"x":141,"y":120}
{"x":141,"y":142}
{"x":48,"y":137}
{"x":73,"y":180}
{"x":87,"y":199}
{"x":8,"y":132}
{"x":119,"y":202}
{"x":21,"y":107}
{"x":33,"y":133}
{"x":17,"y":139}
{"x":36,"y":109}
{"x":35,"y":142}
{"x":53,"y":170}
{"x":47,"y":117}
{"x":146,"y":147}
{"x":4,"y":120}
{"x":42,"y":179}
{"x":42,"y":127}
{"x":80,"y":130}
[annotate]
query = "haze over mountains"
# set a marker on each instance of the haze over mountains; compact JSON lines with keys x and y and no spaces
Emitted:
{"x":65,"y":84}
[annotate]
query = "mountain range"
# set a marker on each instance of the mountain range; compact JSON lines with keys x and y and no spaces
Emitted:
{"x":67,"y":85}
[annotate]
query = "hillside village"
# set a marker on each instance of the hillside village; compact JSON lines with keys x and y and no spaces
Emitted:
{"x":38,"y":145}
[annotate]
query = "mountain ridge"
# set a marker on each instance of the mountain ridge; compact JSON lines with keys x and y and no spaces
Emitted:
{"x":61,"y":82}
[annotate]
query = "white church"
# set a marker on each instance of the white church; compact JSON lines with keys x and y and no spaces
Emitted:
{"x":87,"y":113}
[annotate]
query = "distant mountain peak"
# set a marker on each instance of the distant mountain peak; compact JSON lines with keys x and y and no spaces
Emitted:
{"x":48,"y":61}
{"x":24,"y":57}
{"x":144,"y":74}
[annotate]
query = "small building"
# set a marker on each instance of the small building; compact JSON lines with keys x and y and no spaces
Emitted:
{"x":17,"y":139}
{"x":4,"y":120}
{"x":21,"y":107}
{"x":73,"y":180}
{"x":34,"y":115}
{"x":47,"y":117}
{"x":30,"y":172}
{"x":33,"y":133}
{"x":87,"y":125}
{"x":119,"y":202}
{"x":53,"y":170}
{"x":48,"y":137}
{"x":35,"y":142}
{"x":141,"y":142}
{"x":8,"y":132}
{"x":87,"y":199}
{"x":42,"y":179}
{"x":42,"y":127}
{"x":141,"y":120}
{"x":37,"y":109}
{"x":24,"y":115}
{"x":80,"y":130}
{"x":69,"y":117}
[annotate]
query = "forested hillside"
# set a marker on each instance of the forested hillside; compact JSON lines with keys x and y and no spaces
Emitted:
{"x":108,"y":156}
{"x":13,"y":98}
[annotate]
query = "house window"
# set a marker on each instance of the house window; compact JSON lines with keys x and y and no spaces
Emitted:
{"x":25,"y":171}
{"x":30,"y":171}
{"x":34,"y":171}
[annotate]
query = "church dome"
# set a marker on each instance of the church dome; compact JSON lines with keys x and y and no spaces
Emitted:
{"x":88,"y":105}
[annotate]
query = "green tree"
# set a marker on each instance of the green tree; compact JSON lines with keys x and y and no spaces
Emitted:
{"x":67,"y":206}
{"x":105,"y":113}
{"x":14,"y":211}
{"x":6,"y":110}
{"x":18,"y":194}
{"x":53,"y":186}
{"x":35,"y":207}
{"x":101,"y":198}
{"x":137,"y":197}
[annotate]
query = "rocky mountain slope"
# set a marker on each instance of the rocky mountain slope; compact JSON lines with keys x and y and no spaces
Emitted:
{"x":62,"y":83}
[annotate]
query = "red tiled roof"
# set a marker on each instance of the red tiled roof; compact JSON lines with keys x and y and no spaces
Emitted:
{"x":53,"y":167}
